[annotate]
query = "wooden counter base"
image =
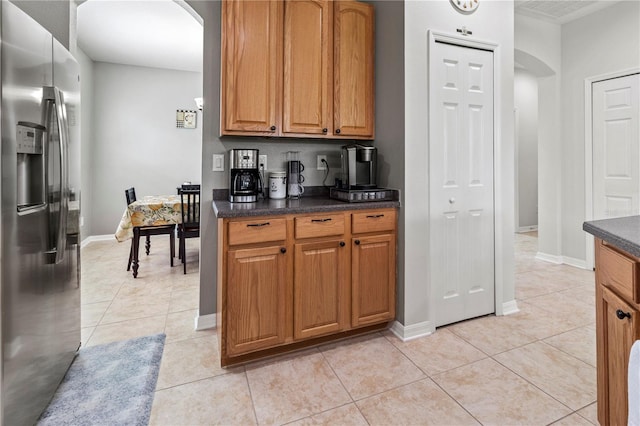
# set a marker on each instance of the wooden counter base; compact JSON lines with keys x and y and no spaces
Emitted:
{"x":291,"y":281}
{"x":293,"y":347}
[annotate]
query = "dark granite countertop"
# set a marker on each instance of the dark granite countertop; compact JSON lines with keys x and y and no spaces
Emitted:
{"x":321,"y":203}
{"x":622,"y":232}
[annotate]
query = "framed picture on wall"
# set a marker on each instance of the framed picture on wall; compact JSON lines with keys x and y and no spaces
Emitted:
{"x":186,"y":119}
{"x":190,"y":119}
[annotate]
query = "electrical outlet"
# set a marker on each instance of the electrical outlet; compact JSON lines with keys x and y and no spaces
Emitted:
{"x":218,"y":163}
{"x":262,"y":159}
{"x":319,"y":164}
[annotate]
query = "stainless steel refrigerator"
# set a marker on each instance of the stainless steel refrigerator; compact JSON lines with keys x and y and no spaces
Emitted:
{"x":39,"y":252}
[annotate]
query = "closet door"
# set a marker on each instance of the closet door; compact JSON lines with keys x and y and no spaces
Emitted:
{"x":616,"y":147}
{"x":461,"y":139}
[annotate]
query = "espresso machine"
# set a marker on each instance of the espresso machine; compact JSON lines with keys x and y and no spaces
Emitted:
{"x":245,"y":182}
{"x":358,"y":181}
{"x":359,"y":166}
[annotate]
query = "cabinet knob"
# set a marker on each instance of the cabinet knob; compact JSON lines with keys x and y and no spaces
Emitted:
{"x":283,"y":250}
{"x":325,"y":130}
{"x":357,"y":242}
{"x":622,"y":315}
{"x":342,"y":244}
{"x":338,"y":131}
{"x":273,"y":128}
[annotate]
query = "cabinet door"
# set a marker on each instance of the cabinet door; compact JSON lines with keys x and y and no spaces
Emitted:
{"x":256,"y":299}
{"x":321,"y":291}
{"x":616,"y":333}
{"x":373,"y":272}
{"x":251,"y":67}
{"x":307,"y":66}
{"x":353,"y":68}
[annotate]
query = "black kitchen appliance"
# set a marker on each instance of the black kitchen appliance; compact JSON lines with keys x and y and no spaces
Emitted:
{"x":359,"y":167}
{"x":245,"y":182}
{"x":358,"y":180}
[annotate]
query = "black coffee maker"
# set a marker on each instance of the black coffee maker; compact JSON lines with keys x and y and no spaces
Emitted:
{"x":245,"y":182}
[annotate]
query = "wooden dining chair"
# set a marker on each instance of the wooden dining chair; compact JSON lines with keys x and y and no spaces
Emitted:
{"x":148,"y":231}
{"x":190,"y":226}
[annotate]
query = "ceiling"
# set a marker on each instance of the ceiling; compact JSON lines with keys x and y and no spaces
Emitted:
{"x":150,"y":33}
{"x":560,"y":11}
{"x":168,"y":34}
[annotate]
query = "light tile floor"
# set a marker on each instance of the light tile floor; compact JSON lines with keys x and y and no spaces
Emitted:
{"x":535,"y":367}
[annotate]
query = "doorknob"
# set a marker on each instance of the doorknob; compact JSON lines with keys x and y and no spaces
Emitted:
{"x":452,"y":200}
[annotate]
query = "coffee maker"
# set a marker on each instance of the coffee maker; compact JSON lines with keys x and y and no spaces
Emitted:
{"x":359,"y":166}
{"x":245,"y":182}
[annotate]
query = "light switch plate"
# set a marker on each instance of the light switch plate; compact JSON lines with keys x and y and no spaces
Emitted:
{"x":218,"y":163}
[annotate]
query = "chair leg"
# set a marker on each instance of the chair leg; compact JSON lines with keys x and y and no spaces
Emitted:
{"x":147,"y":245}
{"x":172,"y":246}
{"x":136,"y":249}
{"x":130,"y":256}
{"x":184,"y":254}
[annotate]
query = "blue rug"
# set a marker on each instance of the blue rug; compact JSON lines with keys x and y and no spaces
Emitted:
{"x":110,"y":384}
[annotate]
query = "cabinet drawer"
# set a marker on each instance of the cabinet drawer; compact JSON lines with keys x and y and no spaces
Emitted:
{"x":373,"y":221}
{"x":319,"y":225}
{"x":619,"y":272}
{"x":257,"y":231}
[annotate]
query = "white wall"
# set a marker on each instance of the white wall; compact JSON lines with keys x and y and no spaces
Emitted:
{"x":492,"y":21}
{"x":541,"y":43}
{"x":600,"y":43}
{"x":135,"y":139}
{"x":87,"y":141}
{"x":526,"y":103}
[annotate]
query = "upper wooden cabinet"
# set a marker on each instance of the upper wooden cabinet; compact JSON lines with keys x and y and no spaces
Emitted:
{"x":251,"y":66}
{"x":308,"y":39}
{"x":353,"y":64}
{"x":297,"y":68}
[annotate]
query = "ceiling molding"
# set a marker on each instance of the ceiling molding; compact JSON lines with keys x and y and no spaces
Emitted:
{"x":560,"y":12}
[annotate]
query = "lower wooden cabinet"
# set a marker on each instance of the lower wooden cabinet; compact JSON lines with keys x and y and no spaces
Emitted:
{"x":255,"y":302}
{"x":617,"y":328}
{"x":298,"y":278}
{"x":321,"y":288}
{"x":373,"y":272}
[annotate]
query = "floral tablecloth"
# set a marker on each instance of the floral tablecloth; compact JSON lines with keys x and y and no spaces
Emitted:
{"x":149,"y":211}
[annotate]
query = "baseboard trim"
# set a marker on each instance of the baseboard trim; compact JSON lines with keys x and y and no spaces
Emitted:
{"x":562,"y":260}
{"x":410,"y":332}
{"x":204,"y":322}
{"x":549,"y":258}
{"x":530,"y":228}
{"x":94,"y":238}
{"x":510,"y":307}
{"x":572,"y":261}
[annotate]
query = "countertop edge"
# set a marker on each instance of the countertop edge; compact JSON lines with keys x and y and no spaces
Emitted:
{"x":303,"y":206}
{"x":613,"y":232}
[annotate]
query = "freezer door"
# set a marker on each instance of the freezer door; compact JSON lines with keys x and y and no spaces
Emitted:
{"x":40,"y":302}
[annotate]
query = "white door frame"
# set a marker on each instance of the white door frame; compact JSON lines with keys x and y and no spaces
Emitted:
{"x":588,"y":152}
{"x":498,"y":172}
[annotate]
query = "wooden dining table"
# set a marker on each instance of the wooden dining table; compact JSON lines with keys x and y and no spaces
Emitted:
{"x":152,"y":210}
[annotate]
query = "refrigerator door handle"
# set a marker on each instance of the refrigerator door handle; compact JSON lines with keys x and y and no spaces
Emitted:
{"x":56,"y":254}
